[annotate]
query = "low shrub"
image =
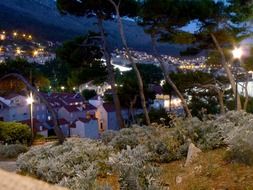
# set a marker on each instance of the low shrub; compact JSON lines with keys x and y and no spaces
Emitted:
{"x":11,"y":133}
{"x":242,"y":153}
{"x":134,"y":170}
{"x":12,"y":151}
{"x":108,"y":135}
{"x":39,"y":137}
{"x":74,"y":164}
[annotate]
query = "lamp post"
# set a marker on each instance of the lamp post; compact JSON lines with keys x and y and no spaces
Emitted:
{"x":237,"y":54}
{"x":30,"y":101}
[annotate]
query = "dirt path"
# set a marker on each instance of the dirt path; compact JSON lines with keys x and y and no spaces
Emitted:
{"x":9,"y":166}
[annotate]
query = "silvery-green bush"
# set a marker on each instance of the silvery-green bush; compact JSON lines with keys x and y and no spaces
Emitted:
{"x":134,"y":170}
{"x":240,"y":145}
{"x":75,"y":163}
{"x":12,"y":150}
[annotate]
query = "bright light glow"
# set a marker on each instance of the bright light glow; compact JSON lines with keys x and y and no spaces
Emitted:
{"x":18,"y":51}
{"x":24,"y":35}
{"x":15,"y":34}
{"x":30,"y":37}
{"x":2,"y":37}
{"x":237,"y":53}
{"x":74,"y":88}
{"x":62,"y":87}
{"x":30,"y":99}
{"x":3,"y":32}
{"x":35,"y":53}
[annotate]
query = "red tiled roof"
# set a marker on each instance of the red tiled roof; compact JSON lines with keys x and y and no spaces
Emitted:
{"x":61,"y":121}
{"x":89,"y":107}
{"x":85,"y":120}
{"x":73,"y":108}
{"x":109,"y":107}
{"x":73,"y":125}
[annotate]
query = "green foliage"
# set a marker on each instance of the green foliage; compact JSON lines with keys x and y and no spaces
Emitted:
{"x":39,"y":137}
{"x":11,"y":132}
{"x":240,"y":153}
{"x":12,"y":151}
{"x":130,"y":90}
{"x":26,"y":69}
{"x":88,"y":94}
{"x":81,"y":56}
{"x":160,"y":116}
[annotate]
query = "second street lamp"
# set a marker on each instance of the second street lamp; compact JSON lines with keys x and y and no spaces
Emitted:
{"x":30,"y":101}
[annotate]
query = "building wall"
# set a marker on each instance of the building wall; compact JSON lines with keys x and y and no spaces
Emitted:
{"x":249,"y":88}
{"x":65,"y":130}
{"x":71,"y":117}
{"x":91,"y":129}
{"x":86,"y":130}
{"x":102,"y":118}
{"x":44,"y":133}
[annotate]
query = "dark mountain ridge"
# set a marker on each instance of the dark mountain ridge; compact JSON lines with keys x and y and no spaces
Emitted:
{"x":42,"y":19}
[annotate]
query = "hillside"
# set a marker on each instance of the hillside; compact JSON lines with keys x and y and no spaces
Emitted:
{"x":42,"y":19}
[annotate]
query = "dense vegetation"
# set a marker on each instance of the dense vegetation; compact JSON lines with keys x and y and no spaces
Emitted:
{"x":134,"y":154}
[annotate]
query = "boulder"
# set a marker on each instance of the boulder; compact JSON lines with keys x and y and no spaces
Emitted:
{"x":193,"y":152}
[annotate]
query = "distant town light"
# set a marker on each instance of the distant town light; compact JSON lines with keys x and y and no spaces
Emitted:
{"x":74,"y":88}
{"x":2,"y":37}
{"x":30,"y":37}
{"x":18,"y":51}
{"x":35,"y":53}
{"x":62,"y":87}
{"x":3,"y":32}
{"x":237,"y":53}
{"x":15,"y":34}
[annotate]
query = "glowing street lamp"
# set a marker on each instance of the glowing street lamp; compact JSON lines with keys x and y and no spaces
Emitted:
{"x":62,"y":88}
{"x":237,"y":53}
{"x":30,"y":37}
{"x":15,"y":34}
{"x":30,"y":101}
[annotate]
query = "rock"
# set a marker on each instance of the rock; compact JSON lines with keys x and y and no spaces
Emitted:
{"x":193,"y":152}
{"x":179,"y":179}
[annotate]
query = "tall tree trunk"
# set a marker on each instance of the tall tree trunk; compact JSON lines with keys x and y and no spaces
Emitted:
{"x":246,"y":92}
{"x":228,"y":72}
{"x":57,"y":130}
{"x":132,"y":103}
{"x":110,"y":74}
{"x":168,"y":79}
{"x":130,"y":58}
{"x":221,"y":102}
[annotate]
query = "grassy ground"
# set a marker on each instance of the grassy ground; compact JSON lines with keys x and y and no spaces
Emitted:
{"x":209,"y":171}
